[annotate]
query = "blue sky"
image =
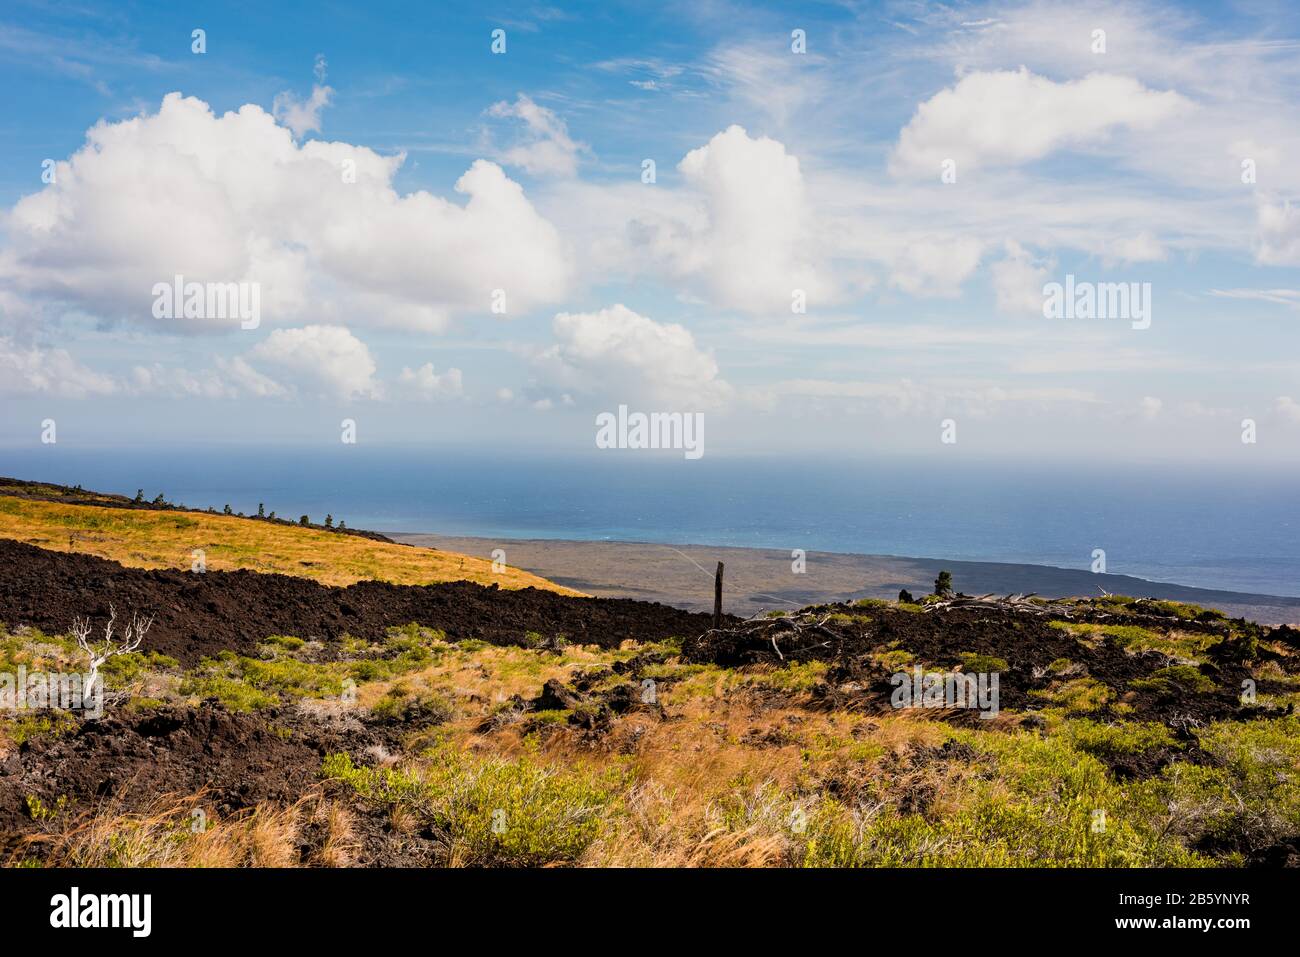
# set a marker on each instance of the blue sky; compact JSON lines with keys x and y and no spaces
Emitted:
{"x":817,"y":173}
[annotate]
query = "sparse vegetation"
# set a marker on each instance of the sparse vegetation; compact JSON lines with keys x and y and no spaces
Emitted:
{"x":491,"y":811}
{"x":685,"y":751}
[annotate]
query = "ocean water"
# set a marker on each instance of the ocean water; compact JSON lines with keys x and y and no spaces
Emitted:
{"x":1173,"y":524}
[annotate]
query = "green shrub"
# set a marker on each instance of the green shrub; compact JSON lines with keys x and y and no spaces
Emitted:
{"x":840,"y":618}
{"x":1173,"y":681}
{"x":494,"y":812}
{"x":31,"y":725}
{"x":1080,"y":694}
{"x":1123,"y":737}
{"x":894,"y":660}
{"x":1182,"y":609}
{"x":40,"y":812}
{"x":1249,"y":800}
{"x":235,"y":694}
{"x":244,"y":683}
{"x":972,"y":662}
{"x":793,"y":676}
{"x":287,"y":642}
{"x":400,"y":705}
{"x":1037,"y":806}
{"x":121,"y":670}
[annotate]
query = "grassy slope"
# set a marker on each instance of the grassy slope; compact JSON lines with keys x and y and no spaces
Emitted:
{"x":167,"y":539}
{"x":752,"y":770}
{"x":757,"y":765}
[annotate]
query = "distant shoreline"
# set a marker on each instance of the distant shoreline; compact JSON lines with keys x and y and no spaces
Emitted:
{"x":761,"y":579}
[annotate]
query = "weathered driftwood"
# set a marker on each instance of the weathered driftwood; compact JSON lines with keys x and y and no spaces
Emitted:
{"x":1054,"y":608}
{"x":800,"y":629}
{"x":1017,"y":602}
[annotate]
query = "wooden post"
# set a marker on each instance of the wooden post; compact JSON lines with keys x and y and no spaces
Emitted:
{"x":717,"y":598}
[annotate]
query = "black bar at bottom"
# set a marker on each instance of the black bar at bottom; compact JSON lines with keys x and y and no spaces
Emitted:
{"x":497,"y":906}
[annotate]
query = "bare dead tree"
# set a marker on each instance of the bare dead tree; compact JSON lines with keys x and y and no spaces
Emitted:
{"x":109,"y":646}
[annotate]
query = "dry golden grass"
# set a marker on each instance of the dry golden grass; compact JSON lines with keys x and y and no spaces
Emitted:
{"x":714,"y":786}
{"x":168,"y":539}
{"x":743,"y":770}
{"x":486,"y":676}
{"x":663,"y":829}
{"x":170,"y":834}
{"x":339,"y":846}
{"x":685,"y":771}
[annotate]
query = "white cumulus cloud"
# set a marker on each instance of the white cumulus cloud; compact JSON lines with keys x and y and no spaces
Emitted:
{"x":616,"y":355}
{"x":325,"y":359}
{"x":1278,"y":233}
{"x":1010,"y":117}
{"x":1287,"y":407}
{"x":545,"y":149}
{"x":425,"y":383}
{"x":739,"y":232}
{"x":233,"y":198}
{"x":1018,"y":279}
{"x":31,"y":369}
{"x":302,"y":116}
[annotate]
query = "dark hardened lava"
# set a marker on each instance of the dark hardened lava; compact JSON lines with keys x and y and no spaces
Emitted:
{"x":137,"y":756}
{"x":127,"y":761}
{"x":1027,"y":643}
{"x":200,"y":615}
